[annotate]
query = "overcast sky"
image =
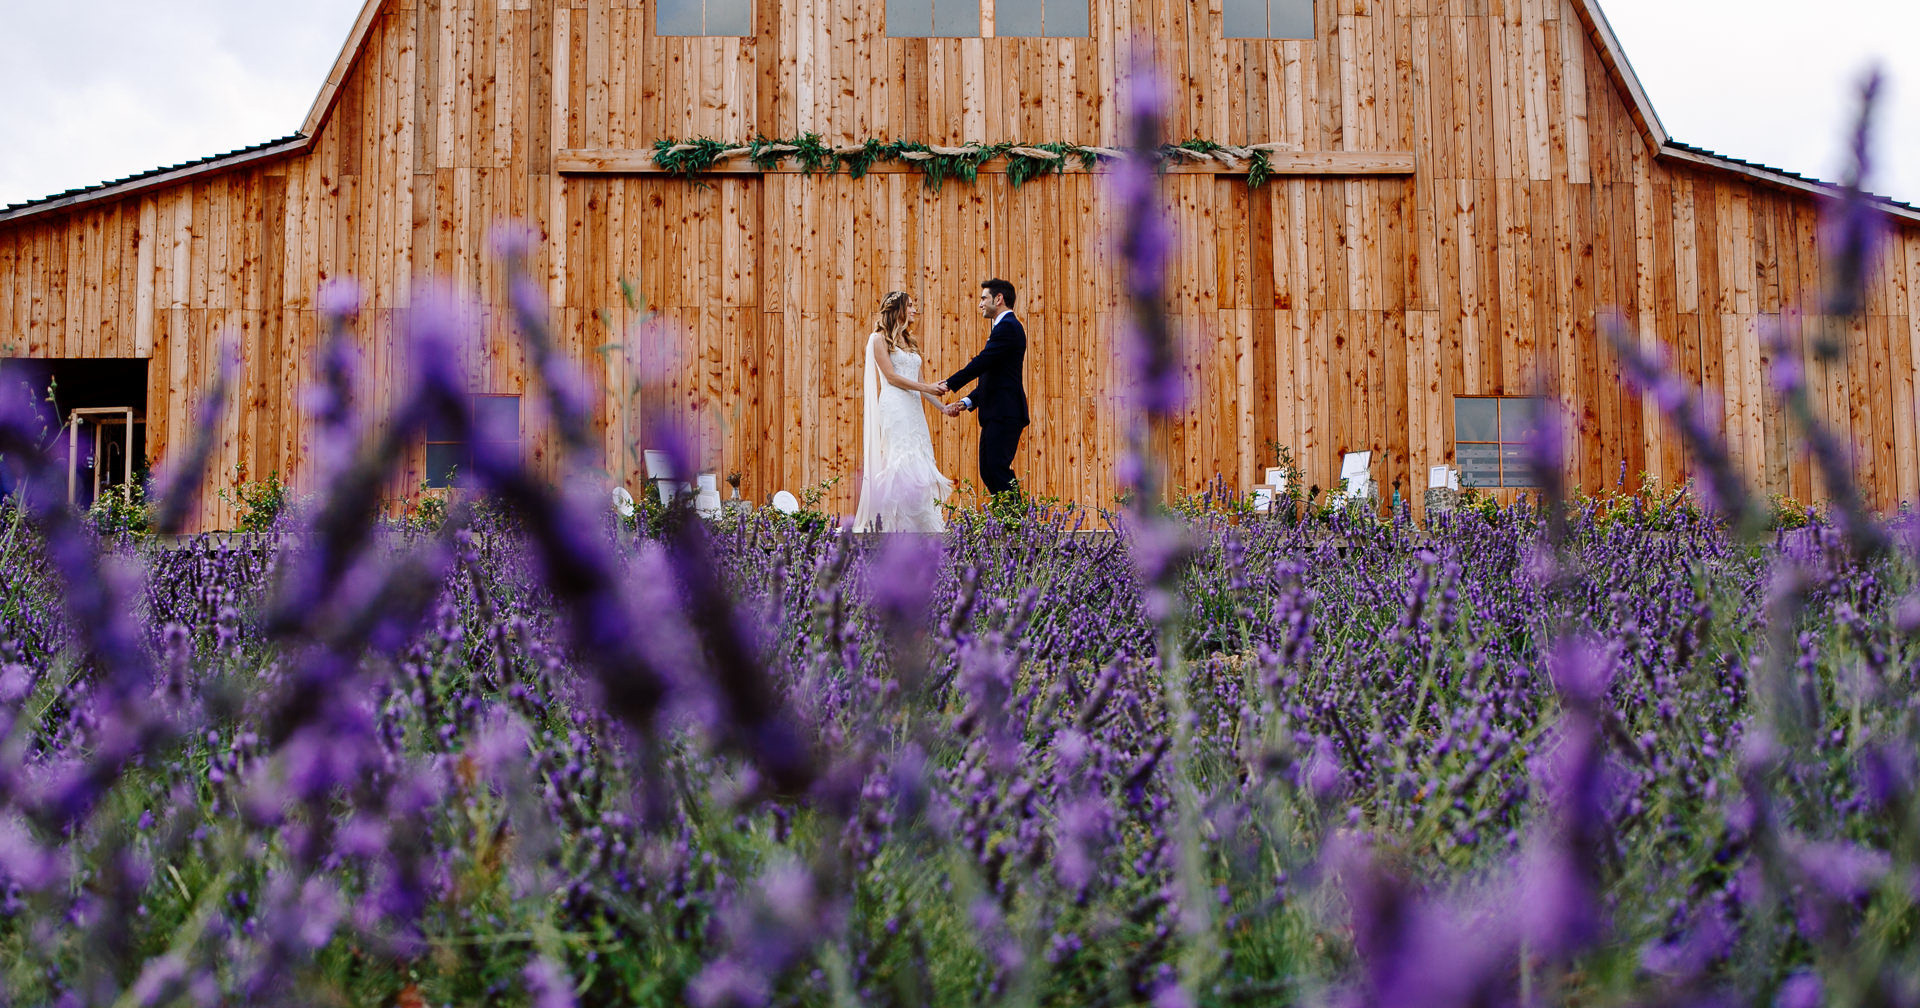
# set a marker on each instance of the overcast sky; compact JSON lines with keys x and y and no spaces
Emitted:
{"x":100,"y":89}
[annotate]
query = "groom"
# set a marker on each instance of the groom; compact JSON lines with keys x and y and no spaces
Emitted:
{"x":1001,"y":399}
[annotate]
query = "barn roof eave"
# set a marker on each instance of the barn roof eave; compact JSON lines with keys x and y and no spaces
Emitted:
{"x":157,"y":178}
{"x":1640,"y":108}
{"x":317,"y":116}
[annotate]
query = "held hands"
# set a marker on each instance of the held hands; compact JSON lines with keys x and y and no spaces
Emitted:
{"x":952,"y":409}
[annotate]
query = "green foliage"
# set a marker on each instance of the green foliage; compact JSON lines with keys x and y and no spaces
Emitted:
{"x":1198,"y":145}
{"x":811,"y":497}
{"x":814,"y":155}
{"x":1022,"y":168}
{"x":425,"y":511}
{"x":1215,"y":500}
{"x":1788,"y":513}
{"x":688,"y":163}
{"x":260,"y":502}
{"x":760,"y":151}
{"x":936,"y":167}
{"x":122,"y":512}
{"x":1259,"y":169}
{"x":1287,"y":502}
{"x":863,"y":158}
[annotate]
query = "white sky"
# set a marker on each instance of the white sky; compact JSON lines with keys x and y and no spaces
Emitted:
{"x":104,"y":89}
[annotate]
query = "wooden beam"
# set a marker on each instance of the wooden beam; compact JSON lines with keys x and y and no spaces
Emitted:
{"x":586,"y":161}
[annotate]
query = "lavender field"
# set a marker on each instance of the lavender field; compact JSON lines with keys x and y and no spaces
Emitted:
{"x":1368,"y":763}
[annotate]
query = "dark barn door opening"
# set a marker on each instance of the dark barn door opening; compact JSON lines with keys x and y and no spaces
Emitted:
{"x":101,"y":406}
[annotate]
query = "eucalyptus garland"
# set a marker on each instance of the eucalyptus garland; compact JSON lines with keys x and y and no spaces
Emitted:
{"x":937,"y":164}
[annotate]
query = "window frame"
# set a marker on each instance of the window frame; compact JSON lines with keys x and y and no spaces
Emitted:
{"x":1313,"y":20}
{"x":1502,"y":447}
{"x":1085,"y":22}
{"x":432,"y":480}
{"x":704,"y":18}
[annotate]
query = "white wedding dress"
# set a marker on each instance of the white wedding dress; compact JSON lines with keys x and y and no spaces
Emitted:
{"x":901,"y":487}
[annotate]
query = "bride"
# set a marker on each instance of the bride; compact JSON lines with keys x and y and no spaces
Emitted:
{"x":901,"y":487}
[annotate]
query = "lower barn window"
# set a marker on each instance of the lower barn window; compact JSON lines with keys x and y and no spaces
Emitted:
{"x":1267,"y":19}
{"x":496,"y":427}
{"x":1490,"y":439}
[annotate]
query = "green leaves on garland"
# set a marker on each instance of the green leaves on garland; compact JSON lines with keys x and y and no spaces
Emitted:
{"x":936,"y":164}
{"x":688,"y":157}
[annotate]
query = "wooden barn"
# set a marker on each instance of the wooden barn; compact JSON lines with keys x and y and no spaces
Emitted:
{"x":1451,"y":194}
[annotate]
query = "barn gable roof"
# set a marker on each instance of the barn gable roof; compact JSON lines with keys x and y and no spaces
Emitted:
{"x":1593,"y":20}
{"x":1640,"y":108}
{"x":287,"y":146}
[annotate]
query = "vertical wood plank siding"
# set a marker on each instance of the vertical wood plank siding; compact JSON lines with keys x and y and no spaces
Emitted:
{"x":1326,"y":313}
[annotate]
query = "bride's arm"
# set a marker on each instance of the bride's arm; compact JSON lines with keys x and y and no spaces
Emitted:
{"x":894,"y":378}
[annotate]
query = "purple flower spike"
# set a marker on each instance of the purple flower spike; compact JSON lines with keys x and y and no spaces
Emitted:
{"x":332,"y":397}
{"x":1581,"y":672}
{"x":904,"y":575}
{"x":339,"y":299}
{"x":180,"y":487}
{"x":513,"y":241}
{"x":1802,"y":990}
{"x":547,"y":984}
{"x":566,"y":389}
{"x":1854,"y":224}
{"x":1146,"y":245}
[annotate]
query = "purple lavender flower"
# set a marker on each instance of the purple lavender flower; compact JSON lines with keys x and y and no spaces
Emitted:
{"x":180,"y":486}
{"x":1854,"y":224}
{"x":547,"y":984}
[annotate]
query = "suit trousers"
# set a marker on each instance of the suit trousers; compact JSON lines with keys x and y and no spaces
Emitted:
{"x":998,"y":443}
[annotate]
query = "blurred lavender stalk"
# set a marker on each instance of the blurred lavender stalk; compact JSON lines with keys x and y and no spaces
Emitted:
{"x":1158,"y":544}
{"x":1724,"y":492}
{"x":1856,"y":230}
{"x":179,"y":489}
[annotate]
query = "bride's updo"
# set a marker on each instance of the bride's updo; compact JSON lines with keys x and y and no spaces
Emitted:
{"x":892,"y":322}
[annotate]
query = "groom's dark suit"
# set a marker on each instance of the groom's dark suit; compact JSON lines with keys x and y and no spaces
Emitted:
{"x":1001,"y":399}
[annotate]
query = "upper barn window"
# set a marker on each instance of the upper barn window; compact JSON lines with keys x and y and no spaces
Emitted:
{"x":961,"y":19}
{"x":703,"y":17}
{"x":1268,"y":19}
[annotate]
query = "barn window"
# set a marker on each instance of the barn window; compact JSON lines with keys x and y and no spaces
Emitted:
{"x":1267,"y":19}
{"x":1042,"y":18}
{"x":933,"y":18}
{"x":703,"y":17}
{"x":496,"y":427}
{"x":1490,"y":439}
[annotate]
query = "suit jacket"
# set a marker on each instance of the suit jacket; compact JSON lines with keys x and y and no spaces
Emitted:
{"x":1001,"y":397}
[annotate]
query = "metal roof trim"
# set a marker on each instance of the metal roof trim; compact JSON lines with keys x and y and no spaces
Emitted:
{"x":283,"y":147}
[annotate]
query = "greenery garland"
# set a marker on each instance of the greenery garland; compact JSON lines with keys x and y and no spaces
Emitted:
{"x":1025,"y":162}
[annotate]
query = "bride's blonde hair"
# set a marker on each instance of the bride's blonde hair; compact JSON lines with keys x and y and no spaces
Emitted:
{"x":892,"y":322}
